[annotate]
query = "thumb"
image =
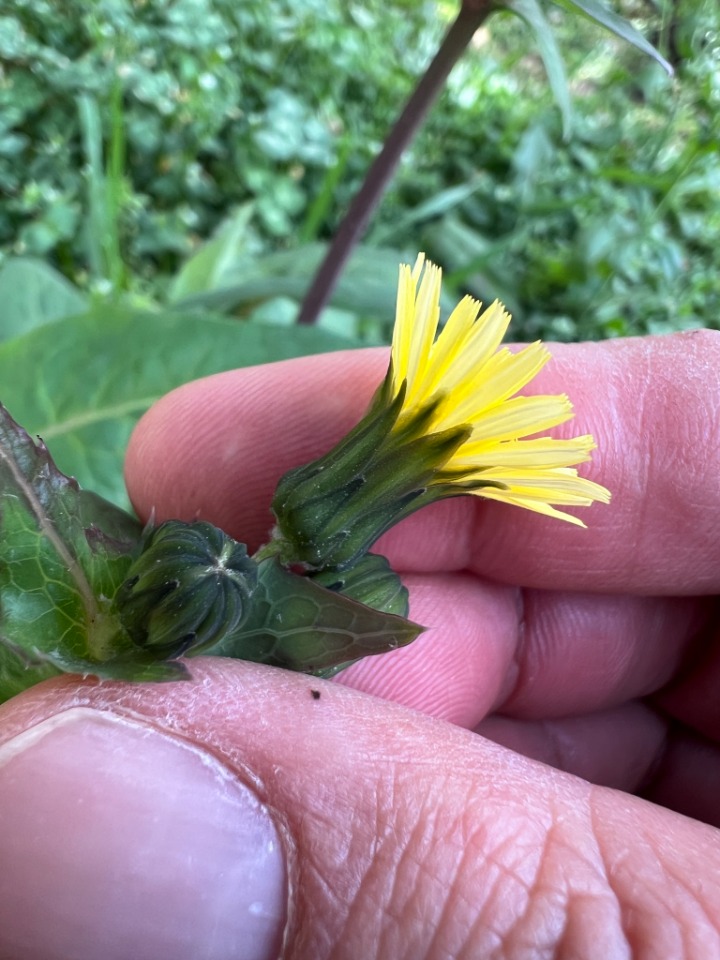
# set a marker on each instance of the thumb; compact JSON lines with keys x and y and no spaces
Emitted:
{"x":244,"y":816}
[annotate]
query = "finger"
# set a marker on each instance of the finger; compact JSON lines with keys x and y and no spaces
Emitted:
{"x":584,"y":652}
{"x":693,"y":697}
{"x":463,"y":664}
{"x":216,"y":448}
{"x":394,"y":835}
{"x":686,"y":776}
{"x":613,"y":748}
{"x":528,"y":654}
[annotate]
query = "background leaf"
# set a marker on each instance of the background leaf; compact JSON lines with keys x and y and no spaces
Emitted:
{"x":594,"y":10}
{"x":33,"y":294}
{"x":531,"y":12}
{"x":205,"y":269}
{"x":82,"y":384}
{"x":367,"y":286}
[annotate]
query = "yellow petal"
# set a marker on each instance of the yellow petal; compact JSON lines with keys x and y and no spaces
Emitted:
{"x":403,"y":329}
{"x":535,"y":506}
{"x":521,"y":417}
{"x":448,"y":347}
{"x":538,"y":453}
{"x":502,"y":376}
{"x":427,"y":314}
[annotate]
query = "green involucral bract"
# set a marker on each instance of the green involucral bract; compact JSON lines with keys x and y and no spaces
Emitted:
{"x":331,"y":511}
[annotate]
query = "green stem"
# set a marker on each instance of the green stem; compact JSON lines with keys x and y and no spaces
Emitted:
{"x":115,"y":170}
{"x":472,"y":14}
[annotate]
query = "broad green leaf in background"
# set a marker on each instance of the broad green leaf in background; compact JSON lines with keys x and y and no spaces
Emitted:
{"x":367,"y":285}
{"x":597,"y":11}
{"x":33,"y":294}
{"x":82,"y":383}
{"x":64,"y":554}
{"x":471,"y":260}
{"x":296,"y":623}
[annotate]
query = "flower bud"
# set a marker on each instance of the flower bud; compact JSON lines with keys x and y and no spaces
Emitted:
{"x":188,"y":589}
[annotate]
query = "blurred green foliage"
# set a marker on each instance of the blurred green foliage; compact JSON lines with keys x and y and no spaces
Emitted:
{"x":130,"y":130}
{"x":220,"y":103}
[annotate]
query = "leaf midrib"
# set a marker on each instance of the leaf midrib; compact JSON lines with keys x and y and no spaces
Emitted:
{"x":47,"y":529}
{"x":90,"y":417}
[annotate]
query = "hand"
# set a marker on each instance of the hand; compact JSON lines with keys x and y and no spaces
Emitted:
{"x":170,"y":821}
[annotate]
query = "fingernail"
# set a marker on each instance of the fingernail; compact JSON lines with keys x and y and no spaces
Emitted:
{"x":121,"y":842}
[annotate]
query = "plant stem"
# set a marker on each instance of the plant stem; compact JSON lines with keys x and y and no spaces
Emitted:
{"x":471,"y":16}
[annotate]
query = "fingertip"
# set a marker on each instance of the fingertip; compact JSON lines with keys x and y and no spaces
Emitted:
{"x":215,"y":448}
{"x":464,"y":662}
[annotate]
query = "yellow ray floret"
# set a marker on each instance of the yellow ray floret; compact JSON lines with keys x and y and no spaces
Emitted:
{"x":466,"y":378}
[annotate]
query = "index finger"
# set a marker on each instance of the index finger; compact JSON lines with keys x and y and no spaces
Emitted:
{"x":216,"y":448}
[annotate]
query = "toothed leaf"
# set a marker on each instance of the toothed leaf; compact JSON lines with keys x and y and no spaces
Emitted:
{"x":298,"y":624}
{"x":63,"y":554}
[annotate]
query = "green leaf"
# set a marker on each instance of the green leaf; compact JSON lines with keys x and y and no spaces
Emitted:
{"x":531,"y":12}
{"x":82,"y":383}
{"x":371,"y":581}
{"x":204,"y":270}
{"x":33,"y":294}
{"x":298,"y":624}
{"x":594,"y":10}
{"x":437,"y":206}
{"x":367,"y":286}
{"x":63,"y":555}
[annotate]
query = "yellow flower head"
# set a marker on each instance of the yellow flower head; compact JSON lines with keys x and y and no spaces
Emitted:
{"x":464,"y":378}
{"x":446,"y":421}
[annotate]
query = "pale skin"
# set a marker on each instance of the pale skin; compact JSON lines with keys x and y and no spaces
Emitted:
{"x":410,"y":834}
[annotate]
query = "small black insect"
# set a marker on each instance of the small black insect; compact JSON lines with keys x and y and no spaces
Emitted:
{"x":315,"y":694}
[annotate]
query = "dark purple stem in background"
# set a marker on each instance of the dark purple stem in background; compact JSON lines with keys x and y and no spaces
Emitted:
{"x":471,"y":16}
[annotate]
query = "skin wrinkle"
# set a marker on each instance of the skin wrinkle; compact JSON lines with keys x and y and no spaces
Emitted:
{"x":414,"y":890}
{"x":638,"y":879}
{"x":710,"y":920}
{"x":394,"y":877}
{"x":465,"y":839}
{"x":511,"y":864}
{"x":580,"y":881}
{"x":375,"y":885}
{"x":579,"y":908}
{"x":528,"y":884}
